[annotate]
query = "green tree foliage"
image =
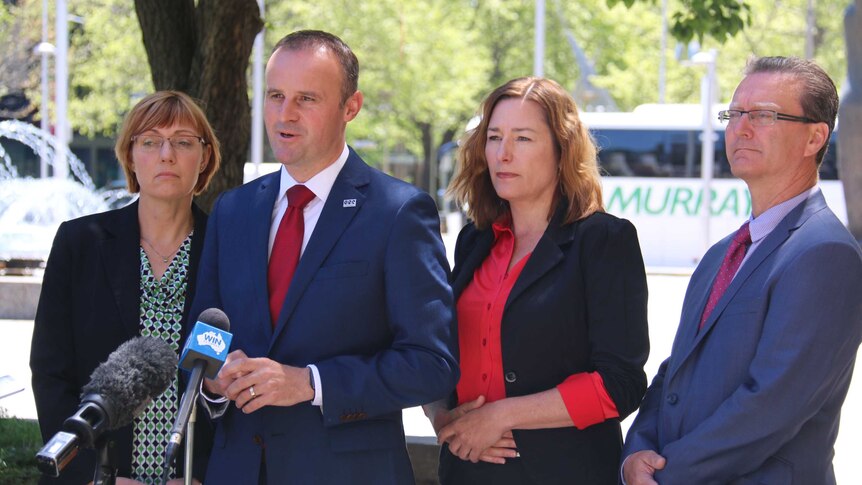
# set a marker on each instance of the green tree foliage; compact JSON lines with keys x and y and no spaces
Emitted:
{"x":420,"y":69}
{"x":630,"y":55}
{"x":108,"y":71}
{"x":719,"y":19}
{"x":108,"y":68}
{"x":18,"y":64}
{"x":426,"y":64}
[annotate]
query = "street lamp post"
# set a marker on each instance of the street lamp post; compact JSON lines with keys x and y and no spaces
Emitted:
{"x":708,"y":91}
{"x":44,"y":49}
{"x":61,"y":102}
{"x":539,"y":27}
{"x":257,"y":98}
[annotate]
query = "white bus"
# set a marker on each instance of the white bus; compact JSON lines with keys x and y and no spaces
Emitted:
{"x":650,"y":160}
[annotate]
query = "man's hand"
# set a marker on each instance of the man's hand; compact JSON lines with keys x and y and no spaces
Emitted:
{"x":218,"y":385}
{"x":255,"y":383}
{"x":639,"y":467}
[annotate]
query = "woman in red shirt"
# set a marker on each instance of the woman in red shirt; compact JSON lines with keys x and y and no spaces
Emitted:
{"x":551,"y":298}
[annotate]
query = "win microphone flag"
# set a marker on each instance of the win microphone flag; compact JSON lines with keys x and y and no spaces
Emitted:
{"x":208,"y":343}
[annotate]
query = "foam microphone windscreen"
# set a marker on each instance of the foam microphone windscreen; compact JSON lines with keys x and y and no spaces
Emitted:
{"x":215,"y":318}
{"x":139,"y":370}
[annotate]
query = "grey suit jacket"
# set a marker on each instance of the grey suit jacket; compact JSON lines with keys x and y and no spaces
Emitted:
{"x":755,"y":396}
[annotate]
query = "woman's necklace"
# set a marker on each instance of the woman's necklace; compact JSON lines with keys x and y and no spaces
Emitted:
{"x":164,"y":258}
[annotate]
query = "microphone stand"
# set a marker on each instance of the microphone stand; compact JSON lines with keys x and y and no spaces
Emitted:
{"x":190,"y":445}
{"x":184,"y":415}
{"x":106,"y":472}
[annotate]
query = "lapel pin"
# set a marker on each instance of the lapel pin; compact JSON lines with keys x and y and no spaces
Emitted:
{"x":349,"y":203}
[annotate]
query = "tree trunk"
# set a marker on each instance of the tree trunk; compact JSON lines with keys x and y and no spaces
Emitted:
{"x":850,"y":113}
{"x":204,"y":51}
{"x":426,"y":178}
{"x":168,"y":28}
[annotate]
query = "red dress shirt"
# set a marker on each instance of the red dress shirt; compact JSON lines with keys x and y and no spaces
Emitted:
{"x":480,"y":315}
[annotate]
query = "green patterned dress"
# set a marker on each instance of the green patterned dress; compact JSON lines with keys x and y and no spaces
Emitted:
{"x":162,"y":302}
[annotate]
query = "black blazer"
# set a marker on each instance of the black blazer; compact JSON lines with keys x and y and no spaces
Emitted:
{"x":579,"y":305}
{"x":89,"y":305}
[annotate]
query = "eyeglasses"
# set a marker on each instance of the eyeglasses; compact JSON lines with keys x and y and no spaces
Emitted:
{"x":180,"y":143}
{"x":760,"y":117}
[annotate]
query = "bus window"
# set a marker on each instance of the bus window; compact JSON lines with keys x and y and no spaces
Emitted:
{"x":672,"y":153}
{"x":829,"y":168}
{"x":655,"y":153}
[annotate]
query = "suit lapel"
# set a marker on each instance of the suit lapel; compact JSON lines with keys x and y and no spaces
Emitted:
{"x":546,"y":255}
{"x":695,"y":301}
{"x":770,"y":244}
{"x":475,"y":257}
{"x":200,"y":223}
{"x":121,"y":262}
{"x":333,"y":221}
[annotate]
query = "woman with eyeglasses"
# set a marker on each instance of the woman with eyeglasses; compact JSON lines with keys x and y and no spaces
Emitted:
{"x":551,"y":300}
{"x":126,"y":273}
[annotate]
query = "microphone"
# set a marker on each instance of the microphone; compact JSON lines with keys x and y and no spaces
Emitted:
{"x":119,"y":389}
{"x":203,"y":355}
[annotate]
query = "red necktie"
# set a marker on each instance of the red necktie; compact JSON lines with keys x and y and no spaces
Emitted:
{"x":286,"y":248}
{"x":732,"y":259}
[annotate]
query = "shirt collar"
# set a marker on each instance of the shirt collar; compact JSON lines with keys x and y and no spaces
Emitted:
{"x":321,"y":184}
{"x":762,"y":225}
{"x":503,"y":225}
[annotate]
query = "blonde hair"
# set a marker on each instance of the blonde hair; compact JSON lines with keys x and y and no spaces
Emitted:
{"x":579,"y":183}
{"x":161,"y":109}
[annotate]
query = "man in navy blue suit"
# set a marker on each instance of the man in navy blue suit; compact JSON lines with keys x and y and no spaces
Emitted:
{"x":772,"y":317}
{"x":366,"y":327}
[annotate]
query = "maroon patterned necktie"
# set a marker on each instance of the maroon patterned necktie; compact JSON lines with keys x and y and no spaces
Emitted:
{"x":286,"y":248}
{"x":732,"y":259}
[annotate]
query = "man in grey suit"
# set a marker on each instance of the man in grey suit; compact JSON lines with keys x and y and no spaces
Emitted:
{"x":772,"y":318}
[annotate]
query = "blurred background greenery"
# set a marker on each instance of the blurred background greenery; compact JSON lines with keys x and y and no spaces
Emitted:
{"x":426,"y":64}
{"x":19,"y":442}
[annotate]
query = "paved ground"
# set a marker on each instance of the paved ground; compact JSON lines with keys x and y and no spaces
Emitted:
{"x":666,"y":293}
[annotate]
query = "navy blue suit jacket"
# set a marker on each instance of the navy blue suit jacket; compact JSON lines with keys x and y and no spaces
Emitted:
{"x":755,"y":396}
{"x":369,"y":305}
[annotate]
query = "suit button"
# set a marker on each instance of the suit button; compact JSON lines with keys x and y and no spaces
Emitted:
{"x":672,"y":398}
{"x":511,"y":377}
{"x":258,"y":440}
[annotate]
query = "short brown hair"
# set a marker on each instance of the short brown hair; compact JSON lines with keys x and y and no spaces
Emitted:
{"x":819,"y":98}
{"x":160,"y":109}
{"x":307,"y":39}
{"x":579,"y":183}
